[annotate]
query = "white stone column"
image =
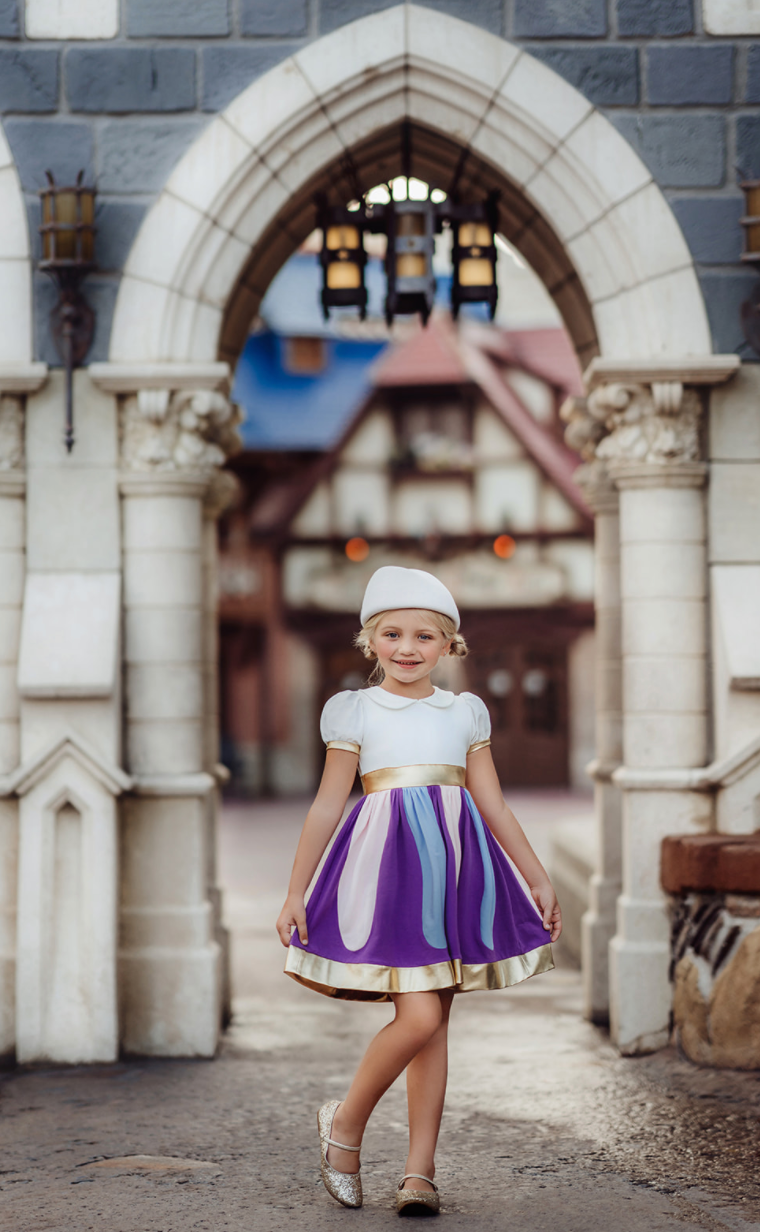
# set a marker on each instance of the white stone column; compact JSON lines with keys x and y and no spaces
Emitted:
{"x":171,"y":968}
{"x":12,"y":550}
{"x":653,"y":455}
{"x":598,"y":923}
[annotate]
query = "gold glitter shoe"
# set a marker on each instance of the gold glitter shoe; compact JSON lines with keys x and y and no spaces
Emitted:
{"x":417,"y":1201}
{"x":345,"y":1187}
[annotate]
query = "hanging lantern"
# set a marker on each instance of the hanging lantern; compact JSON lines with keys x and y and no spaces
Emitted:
{"x":410,"y":227}
{"x":343,"y":259}
{"x":473,"y":255}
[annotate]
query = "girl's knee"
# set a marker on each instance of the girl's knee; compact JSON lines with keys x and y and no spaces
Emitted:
{"x":421,"y":1013}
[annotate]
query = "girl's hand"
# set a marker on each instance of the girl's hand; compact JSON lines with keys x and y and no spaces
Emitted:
{"x":546,"y":901}
{"x":293,"y":915}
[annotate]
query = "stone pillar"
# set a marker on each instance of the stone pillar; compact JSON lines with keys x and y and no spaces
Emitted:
{"x":170,"y":961}
{"x":12,"y":548}
{"x":598,"y":923}
{"x":653,"y":455}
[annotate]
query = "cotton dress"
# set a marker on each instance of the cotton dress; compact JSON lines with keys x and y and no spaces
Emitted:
{"x":415,"y":894}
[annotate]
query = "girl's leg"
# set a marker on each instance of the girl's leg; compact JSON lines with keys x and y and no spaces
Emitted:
{"x":418,"y":1017}
{"x":425,"y":1092}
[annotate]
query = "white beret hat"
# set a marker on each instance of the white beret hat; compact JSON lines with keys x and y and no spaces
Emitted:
{"x":392,"y":587}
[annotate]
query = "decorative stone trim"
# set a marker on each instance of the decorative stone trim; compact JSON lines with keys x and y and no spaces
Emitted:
{"x":722,"y":773}
{"x":11,"y":433}
{"x":173,"y":784}
{"x":70,"y":744}
{"x":192,"y":430}
{"x":128,"y":378}
{"x":686,"y":370}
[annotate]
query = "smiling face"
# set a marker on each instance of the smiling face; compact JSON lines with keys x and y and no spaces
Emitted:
{"x":408,"y":644}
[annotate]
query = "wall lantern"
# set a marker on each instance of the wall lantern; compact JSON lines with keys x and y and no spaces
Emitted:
{"x":473,"y":255}
{"x":68,"y":255}
{"x":343,"y":259}
{"x":751,"y":223}
{"x":410,"y":227}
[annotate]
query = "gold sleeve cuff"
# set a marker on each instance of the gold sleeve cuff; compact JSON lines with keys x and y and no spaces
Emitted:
{"x":479,"y":744}
{"x":348,"y":746}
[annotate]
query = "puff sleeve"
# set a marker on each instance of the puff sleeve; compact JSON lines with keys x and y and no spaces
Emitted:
{"x":481,"y":723}
{"x":342,"y":722}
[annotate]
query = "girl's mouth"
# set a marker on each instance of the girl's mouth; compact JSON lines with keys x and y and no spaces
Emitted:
{"x":406,"y":663}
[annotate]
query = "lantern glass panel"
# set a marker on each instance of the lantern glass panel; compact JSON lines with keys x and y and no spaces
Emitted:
{"x":475,"y":272}
{"x":752,"y":194}
{"x":472,"y":234}
{"x":342,"y":275}
{"x":410,"y":224}
{"x":342,"y":237}
{"x":411,"y":265}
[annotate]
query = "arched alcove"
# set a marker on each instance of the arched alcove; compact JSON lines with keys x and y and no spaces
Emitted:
{"x":576,"y":200}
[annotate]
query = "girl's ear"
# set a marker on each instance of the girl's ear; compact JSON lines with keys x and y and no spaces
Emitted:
{"x":446,"y":649}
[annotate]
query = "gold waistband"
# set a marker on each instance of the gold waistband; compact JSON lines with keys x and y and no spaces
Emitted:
{"x":413,"y":776}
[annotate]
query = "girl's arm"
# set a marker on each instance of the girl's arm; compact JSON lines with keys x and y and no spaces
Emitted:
{"x":484,"y":787}
{"x":321,"y":821}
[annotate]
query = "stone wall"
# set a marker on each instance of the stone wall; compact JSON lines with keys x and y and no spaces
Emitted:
{"x":128,"y":97}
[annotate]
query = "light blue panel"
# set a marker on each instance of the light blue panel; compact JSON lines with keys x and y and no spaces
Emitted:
{"x":488,"y":902}
{"x":431,"y":848}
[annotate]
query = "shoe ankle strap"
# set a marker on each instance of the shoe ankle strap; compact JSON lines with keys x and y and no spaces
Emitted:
{"x":342,"y":1146}
{"x":417,"y":1176}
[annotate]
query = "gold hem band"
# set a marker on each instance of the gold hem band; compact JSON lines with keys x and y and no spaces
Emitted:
{"x":365,"y":982}
{"x":413,"y":776}
{"x":347,"y":746}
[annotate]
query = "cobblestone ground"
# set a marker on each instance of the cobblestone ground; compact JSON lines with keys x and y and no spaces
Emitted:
{"x":546,"y":1127}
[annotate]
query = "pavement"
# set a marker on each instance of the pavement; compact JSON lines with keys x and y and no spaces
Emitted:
{"x":546,"y":1127}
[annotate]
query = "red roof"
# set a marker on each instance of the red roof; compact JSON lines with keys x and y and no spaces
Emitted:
{"x":430,"y":357}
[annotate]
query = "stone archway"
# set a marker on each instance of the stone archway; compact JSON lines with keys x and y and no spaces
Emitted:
{"x":15,"y":266}
{"x":576,"y":199}
{"x":587,"y":215}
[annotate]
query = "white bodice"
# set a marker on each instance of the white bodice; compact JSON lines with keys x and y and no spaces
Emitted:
{"x":389,"y":730}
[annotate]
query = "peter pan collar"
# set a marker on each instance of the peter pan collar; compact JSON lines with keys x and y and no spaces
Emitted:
{"x":440,"y":698}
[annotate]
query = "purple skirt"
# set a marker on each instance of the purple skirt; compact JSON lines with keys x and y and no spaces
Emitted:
{"x":417,"y":895}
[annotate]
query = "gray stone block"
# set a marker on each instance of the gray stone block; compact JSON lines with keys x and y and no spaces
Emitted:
{"x":684,"y":151}
{"x":334,"y":13}
{"x":652,"y":18}
{"x":711,"y":227}
{"x":752,"y":94}
{"x":274,"y":18}
{"x":560,"y":19}
{"x":608,"y":76}
{"x":228,"y":70}
{"x":130,"y":79}
{"x":748,"y":146}
{"x":724,"y":294}
{"x":136,"y":155}
{"x":488,"y":14}
{"x":177,"y":18}
{"x":689,"y":75}
{"x":64,"y":146}
{"x":28,"y":80}
{"x":9,"y":23}
{"x":118,"y":223}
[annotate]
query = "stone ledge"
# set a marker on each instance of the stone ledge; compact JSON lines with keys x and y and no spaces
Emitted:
{"x":716,"y":863}
{"x":688,"y":369}
{"x":129,"y":378}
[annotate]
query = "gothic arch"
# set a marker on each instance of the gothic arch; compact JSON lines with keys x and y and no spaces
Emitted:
{"x":576,"y":199}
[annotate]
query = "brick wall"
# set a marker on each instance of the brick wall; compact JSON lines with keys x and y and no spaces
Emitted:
{"x":126,"y":108}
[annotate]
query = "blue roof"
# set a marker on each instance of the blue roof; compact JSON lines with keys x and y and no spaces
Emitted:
{"x":284,"y":410}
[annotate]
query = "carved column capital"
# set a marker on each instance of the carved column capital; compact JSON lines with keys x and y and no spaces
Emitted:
{"x":189,"y":430}
{"x":11,"y":433}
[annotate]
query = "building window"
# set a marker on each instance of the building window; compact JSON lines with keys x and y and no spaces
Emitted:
{"x":305,"y":356}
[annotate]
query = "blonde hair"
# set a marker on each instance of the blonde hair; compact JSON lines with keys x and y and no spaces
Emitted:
{"x":364,"y":638}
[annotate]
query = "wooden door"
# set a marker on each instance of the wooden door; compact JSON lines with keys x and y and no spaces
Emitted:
{"x":524,"y":686}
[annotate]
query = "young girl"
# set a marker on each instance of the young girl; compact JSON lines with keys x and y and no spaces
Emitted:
{"x":416,"y":900}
